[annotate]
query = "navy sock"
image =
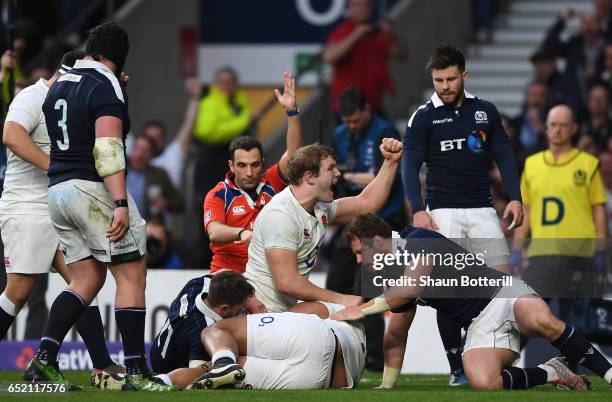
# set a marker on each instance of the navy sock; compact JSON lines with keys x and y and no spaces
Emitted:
{"x":91,"y":330}
{"x":131,"y":324}
{"x":578,"y":350}
{"x":450,"y":333}
{"x":6,"y":320}
{"x":66,"y":309}
{"x":518,"y":378}
{"x":8,"y":312}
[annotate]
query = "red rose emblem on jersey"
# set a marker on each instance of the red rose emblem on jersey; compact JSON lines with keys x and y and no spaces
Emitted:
{"x":324,"y":219}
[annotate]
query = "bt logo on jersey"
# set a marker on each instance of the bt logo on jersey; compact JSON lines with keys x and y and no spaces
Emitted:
{"x":449,"y":145}
{"x":239,"y":210}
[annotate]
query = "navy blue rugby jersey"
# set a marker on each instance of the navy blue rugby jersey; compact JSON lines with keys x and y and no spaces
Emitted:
{"x":75,"y":101}
{"x":462,"y":303}
{"x":458,"y":147}
{"x":179,"y":340}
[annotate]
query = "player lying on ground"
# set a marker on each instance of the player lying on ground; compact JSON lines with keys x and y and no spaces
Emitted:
{"x":495,"y":322}
{"x":202,"y":302}
{"x":300,"y":349}
{"x":31,"y":245}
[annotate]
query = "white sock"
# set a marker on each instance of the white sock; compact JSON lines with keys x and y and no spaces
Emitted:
{"x":551,"y":373}
{"x":608,"y":376}
{"x":164,"y":378}
{"x":221,"y":354}
{"x":7,"y":305}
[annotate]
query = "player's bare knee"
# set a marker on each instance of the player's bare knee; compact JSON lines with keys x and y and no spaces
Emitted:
{"x":210,"y":333}
{"x":485,"y":381}
{"x":17,"y":296}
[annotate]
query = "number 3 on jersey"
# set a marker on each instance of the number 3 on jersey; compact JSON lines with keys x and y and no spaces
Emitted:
{"x":61,"y":104}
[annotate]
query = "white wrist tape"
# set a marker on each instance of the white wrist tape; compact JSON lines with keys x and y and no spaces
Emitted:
{"x":390,"y":375}
{"x":109,"y":155}
{"x":380,"y":305}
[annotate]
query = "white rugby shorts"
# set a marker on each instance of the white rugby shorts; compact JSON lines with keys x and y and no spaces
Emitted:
{"x":288,"y":351}
{"x":82,"y":212}
{"x":496,"y":325}
{"x":475,"y":229}
{"x":30,"y":243}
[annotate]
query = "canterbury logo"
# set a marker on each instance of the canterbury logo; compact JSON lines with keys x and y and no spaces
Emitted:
{"x":238,"y":210}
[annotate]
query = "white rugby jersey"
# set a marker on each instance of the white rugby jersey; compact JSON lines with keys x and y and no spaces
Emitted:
{"x":284,"y":223}
{"x":25,"y":185}
{"x":352,"y":339}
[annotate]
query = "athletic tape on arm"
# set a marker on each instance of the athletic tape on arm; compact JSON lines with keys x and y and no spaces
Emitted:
{"x":380,"y":305}
{"x":109,"y":155}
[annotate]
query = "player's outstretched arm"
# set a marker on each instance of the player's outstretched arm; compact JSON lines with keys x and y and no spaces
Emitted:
{"x":287,"y":280}
{"x":294,"y":128}
{"x":394,"y":345}
{"x":17,"y":139}
{"x":109,"y":158}
{"x":374,"y":196}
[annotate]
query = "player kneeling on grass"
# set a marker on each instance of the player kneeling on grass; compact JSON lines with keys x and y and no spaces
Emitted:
{"x":202,"y":302}
{"x":496,"y":316}
{"x":300,"y":349}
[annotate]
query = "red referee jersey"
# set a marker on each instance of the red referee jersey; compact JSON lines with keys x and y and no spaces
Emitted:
{"x":231,"y":206}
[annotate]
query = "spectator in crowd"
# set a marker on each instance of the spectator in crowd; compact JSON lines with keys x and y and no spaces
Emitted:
{"x":530,"y":124}
{"x":603,"y":9}
{"x":605,"y":161}
{"x":171,"y":157}
{"x":560,"y":88}
{"x":231,"y":207}
{"x":605,"y":75}
{"x":223,"y":114}
{"x":160,"y":247}
{"x":150,"y":186}
{"x":582,"y":52}
{"x":482,"y":12}
{"x":564,"y":199}
{"x":597,"y":130}
{"x":359,"y":49}
{"x":356,"y":143}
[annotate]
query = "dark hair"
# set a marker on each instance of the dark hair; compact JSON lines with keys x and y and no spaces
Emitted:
{"x":148,"y":139}
{"x":228,"y":70}
{"x":70,"y":57}
{"x":366,"y":226}
{"x":601,"y":84}
{"x":229,"y":287}
{"x":246,"y":143}
{"x":351,"y":100}
{"x":110,"y":41}
{"x":154,"y":123}
{"x":444,"y":57}
{"x":543,"y":55}
{"x":307,"y":159}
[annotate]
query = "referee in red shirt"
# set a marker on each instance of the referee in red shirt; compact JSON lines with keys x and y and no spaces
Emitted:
{"x":231,"y":207}
{"x":359,"y":50}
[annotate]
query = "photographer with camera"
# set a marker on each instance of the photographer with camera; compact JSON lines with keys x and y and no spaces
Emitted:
{"x":160,"y":247}
{"x":359,"y":50}
{"x":356,"y":144}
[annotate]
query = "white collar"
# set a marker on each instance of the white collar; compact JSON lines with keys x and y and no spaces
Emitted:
{"x":92,"y":64}
{"x":204,"y":309}
{"x":437,"y":102}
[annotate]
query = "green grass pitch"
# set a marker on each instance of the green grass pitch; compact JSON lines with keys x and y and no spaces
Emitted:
{"x":420,"y":388}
